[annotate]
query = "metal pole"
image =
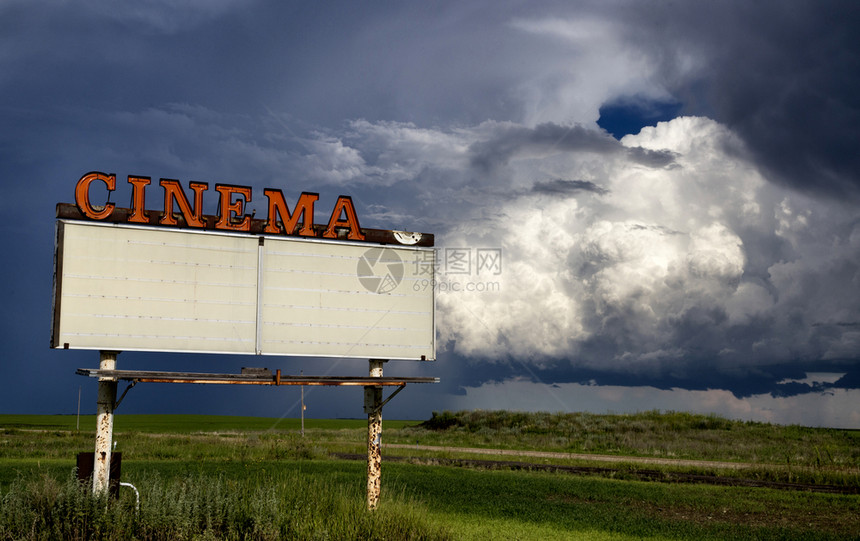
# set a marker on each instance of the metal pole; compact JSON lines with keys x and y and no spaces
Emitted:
{"x":104,"y":423}
{"x":301,"y":372}
{"x":373,"y":408}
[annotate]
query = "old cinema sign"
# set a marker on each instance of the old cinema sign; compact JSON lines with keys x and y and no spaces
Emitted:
{"x":180,"y":280}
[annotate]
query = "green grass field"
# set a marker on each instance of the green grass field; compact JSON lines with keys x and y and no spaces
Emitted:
{"x":206,"y":477}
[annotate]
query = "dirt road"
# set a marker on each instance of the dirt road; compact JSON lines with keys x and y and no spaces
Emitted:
{"x":639,"y":473}
{"x":578,"y":456}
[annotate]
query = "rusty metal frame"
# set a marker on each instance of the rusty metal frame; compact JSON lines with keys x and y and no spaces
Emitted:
{"x":373,"y":384}
{"x":276,"y":379}
{"x":371,"y":236}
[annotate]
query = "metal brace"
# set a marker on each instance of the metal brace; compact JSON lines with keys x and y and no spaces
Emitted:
{"x":384,"y":402}
{"x":127,"y":389}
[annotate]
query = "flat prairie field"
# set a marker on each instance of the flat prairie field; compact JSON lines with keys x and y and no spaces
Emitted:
{"x":209,"y":477}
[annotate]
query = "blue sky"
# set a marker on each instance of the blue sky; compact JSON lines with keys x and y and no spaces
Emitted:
{"x":673,"y":187}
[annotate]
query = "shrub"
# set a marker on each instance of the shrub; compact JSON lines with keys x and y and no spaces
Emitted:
{"x":442,"y":421}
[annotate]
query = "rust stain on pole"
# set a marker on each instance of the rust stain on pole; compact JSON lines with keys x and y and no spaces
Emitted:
{"x":104,"y":423}
{"x":373,"y":408}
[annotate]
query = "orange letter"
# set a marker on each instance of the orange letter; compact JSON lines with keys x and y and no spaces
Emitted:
{"x":344,"y":205}
{"x":82,"y":195}
{"x":304,"y":208}
{"x":228,"y":206}
{"x":138,"y":200}
{"x":173,"y":190}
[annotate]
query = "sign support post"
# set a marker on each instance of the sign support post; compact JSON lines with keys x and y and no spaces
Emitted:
{"x":373,"y":408}
{"x":303,"y":411}
{"x":104,"y":423}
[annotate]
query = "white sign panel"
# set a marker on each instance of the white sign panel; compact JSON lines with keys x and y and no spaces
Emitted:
{"x":129,"y":288}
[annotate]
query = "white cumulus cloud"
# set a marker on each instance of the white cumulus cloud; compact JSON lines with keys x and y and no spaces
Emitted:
{"x":668,"y":247}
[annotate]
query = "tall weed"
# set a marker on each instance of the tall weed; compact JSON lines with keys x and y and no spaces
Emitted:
{"x":270,"y":507}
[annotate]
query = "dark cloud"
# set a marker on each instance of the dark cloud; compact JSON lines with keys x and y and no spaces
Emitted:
{"x":517,"y":141}
{"x":545,"y":139}
{"x":851,"y":380}
{"x":562,"y":187}
{"x":650,"y":158}
{"x":782,"y":379}
{"x":785,"y":76}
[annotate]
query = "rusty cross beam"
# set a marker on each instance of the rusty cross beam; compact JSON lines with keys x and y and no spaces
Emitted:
{"x":146,"y":376}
